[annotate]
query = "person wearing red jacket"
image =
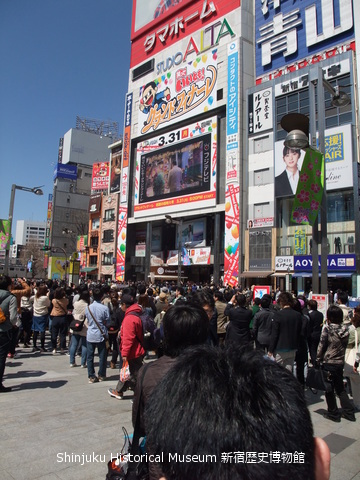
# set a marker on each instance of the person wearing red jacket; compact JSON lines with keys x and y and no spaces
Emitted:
{"x":131,"y":340}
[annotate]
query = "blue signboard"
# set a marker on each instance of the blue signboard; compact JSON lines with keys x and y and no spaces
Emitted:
{"x":336,"y":263}
{"x":288,"y":31}
{"x":65,"y":171}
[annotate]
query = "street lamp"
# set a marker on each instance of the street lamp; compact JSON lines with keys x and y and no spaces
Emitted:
{"x":36,"y":191}
{"x":297,"y":126}
{"x":171,"y":221}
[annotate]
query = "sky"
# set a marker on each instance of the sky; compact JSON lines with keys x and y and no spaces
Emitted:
{"x":59,"y":59}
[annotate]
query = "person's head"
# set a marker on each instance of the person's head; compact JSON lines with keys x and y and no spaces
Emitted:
{"x":356,"y":318}
{"x":150,"y":291}
{"x":256,"y":406}
{"x":204,"y":298}
{"x":342,"y":297}
{"x":163,"y":297}
{"x":240,"y":300}
{"x":59,"y":293}
{"x":334,"y":314}
{"x":285,"y":299}
{"x":141,"y":289}
{"x":5,"y":282}
{"x":291,"y":157}
{"x":257,"y":301}
{"x":85,"y":295}
{"x":218,"y":296}
{"x":143,"y":300}
{"x":97,"y":294}
{"x":266,"y":301}
{"x":313,"y":305}
{"x":184,"y":325}
{"x":42,"y":291}
{"x":179,"y":291}
{"x":126,"y":301}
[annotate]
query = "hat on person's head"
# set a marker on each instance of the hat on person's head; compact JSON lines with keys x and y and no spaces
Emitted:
{"x":302,"y":303}
{"x":127,"y":300}
{"x":164,"y":290}
{"x":162,"y":296}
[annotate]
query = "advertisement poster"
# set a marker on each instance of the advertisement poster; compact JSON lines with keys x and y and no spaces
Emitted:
{"x":179,"y":94}
{"x":115,"y":170}
{"x":232,"y":193}
{"x":4,"y":234}
{"x":126,"y":147}
{"x":100,"y":176}
{"x":260,"y":290}
{"x":231,"y":256}
{"x":121,"y":244}
{"x":175,"y":169}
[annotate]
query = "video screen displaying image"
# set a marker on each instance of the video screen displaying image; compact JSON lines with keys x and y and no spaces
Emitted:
{"x":181,"y":169}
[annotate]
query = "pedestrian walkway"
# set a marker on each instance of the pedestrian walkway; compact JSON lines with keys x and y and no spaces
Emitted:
{"x":55,"y":425}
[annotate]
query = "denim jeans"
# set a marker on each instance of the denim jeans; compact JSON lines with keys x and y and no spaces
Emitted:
{"x":101,"y":346}
{"x":5,"y":341}
{"x":74,"y":343}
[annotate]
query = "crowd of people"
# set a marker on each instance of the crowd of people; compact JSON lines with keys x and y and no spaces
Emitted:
{"x":182,"y":326}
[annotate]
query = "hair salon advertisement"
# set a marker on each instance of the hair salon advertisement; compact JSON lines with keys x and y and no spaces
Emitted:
{"x":184,"y":158}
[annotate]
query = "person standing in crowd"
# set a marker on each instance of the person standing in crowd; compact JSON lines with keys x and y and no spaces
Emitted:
{"x":286,"y":183}
{"x":79,"y":338}
{"x":116,"y":318}
{"x":262,"y":324}
{"x":161,"y":302}
{"x":98,"y":317}
{"x":205,"y":299}
{"x":349,"y":370}
{"x":238,"y":330}
{"x":314,"y":329}
{"x":342,"y":301}
{"x":27,"y":307}
{"x":59,"y":320}
{"x":8,"y":306}
{"x":222,"y":319}
{"x":301,"y":356}
{"x":40,"y":317}
{"x":131,"y":348}
{"x":184,"y":325}
{"x":276,"y":420}
{"x":175,"y":176}
{"x":286,"y":332}
{"x":18,"y":288}
{"x":331,"y":354}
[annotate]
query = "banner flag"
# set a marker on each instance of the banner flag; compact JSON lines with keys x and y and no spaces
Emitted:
{"x":310,"y":189}
{"x":4,"y":234}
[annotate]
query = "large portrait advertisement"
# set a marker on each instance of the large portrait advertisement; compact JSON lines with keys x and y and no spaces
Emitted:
{"x":338,"y":163}
{"x":288,"y":163}
{"x":177,"y":168}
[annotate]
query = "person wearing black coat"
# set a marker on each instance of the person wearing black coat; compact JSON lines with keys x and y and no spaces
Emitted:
{"x":238,"y":330}
{"x":314,"y":329}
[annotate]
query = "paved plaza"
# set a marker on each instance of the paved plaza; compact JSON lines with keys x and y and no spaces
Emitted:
{"x":54,"y":425}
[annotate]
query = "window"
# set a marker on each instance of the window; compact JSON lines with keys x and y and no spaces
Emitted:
{"x":93,"y":261}
{"x":108,"y":236}
{"x":260,"y":249}
{"x":340,"y":207}
{"x":299,"y":102}
{"x":95,"y":223}
{"x":261,"y":177}
{"x":107,"y":258}
{"x":109,"y":215}
{"x":262,"y":210}
{"x":94,"y":242}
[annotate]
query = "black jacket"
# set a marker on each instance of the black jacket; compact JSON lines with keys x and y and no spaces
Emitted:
{"x":238,"y":330}
{"x":286,"y":331}
{"x":262,"y":326}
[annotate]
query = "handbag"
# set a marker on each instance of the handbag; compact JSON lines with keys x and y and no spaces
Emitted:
{"x":77,"y":325}
{"x":125,"y":372}
{"x":120,"y":468}
{"x":319,"y":379}
{"x":107,"y":343}
{"x":350,"y":357}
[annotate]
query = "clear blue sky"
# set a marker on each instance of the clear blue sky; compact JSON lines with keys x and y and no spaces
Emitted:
{"x":59,"y":59}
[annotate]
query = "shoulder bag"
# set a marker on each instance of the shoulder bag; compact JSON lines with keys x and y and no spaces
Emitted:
{"x":350,"y":357}
{"x":319,"y":379}
{"x":102,"y":333}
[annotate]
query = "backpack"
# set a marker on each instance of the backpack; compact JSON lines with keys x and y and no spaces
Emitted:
{"x":151,"y":333}
{"x":3,"y":315}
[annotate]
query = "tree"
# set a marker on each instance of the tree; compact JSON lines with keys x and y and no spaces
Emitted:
{"x":33,"y":252}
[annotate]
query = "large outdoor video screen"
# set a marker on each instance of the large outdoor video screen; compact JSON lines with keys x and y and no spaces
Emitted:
{"x":177,"y":168}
